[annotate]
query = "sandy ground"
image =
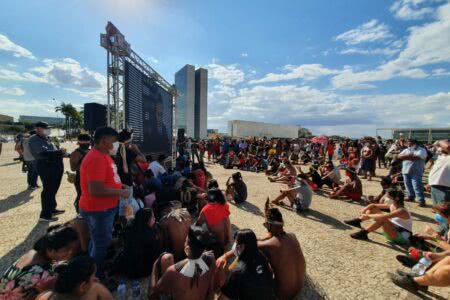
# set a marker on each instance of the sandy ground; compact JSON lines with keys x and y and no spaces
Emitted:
{"x":338,"y":266}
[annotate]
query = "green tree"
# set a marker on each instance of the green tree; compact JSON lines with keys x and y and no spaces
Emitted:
{"x":69,"y":112}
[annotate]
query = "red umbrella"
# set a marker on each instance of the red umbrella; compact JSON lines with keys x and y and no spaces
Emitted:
{"x":320,"y":139}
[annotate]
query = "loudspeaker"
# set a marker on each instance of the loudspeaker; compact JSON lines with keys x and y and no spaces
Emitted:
{"x":180,"y":134}
{"x":94,"y":116}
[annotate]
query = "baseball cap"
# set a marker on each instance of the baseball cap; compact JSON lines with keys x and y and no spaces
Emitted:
{"x":41,"y":124}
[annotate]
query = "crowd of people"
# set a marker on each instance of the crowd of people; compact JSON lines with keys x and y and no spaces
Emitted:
{"x":138,"y":217}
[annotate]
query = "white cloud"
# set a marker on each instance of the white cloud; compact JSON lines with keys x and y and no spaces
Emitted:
{"x":428,"y":44}
{"x":15,"y":91}
{"x":66,"y":73}
{"x":330,"y":113}
{"x":411,"y":9}
{"x":371,"y":31}
{"x":376,"y":51}
{"x":244,"y":54}
{"x":226,"y":74}
{"x":6,"y":74}
{"x":15,"y":107}
{"x":306,"y":72}
{"x":69,"y":72}
{"x":9,"y":46}
{"x":440,"y":72}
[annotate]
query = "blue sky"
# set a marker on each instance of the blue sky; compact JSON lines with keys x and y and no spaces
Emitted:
{"x":337,"y":67}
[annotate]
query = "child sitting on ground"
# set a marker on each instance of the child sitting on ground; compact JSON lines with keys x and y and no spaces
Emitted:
{"x":237,"y":189}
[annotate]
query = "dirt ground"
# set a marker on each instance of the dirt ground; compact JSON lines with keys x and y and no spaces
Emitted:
{"x":338,"y":266}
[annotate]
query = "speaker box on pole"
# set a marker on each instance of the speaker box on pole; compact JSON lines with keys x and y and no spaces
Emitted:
{"x":94,"y":116}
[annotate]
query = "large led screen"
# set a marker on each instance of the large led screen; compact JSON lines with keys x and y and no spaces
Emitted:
{"x":148,"y":111}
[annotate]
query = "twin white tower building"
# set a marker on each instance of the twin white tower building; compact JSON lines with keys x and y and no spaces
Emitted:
{"x":191,"y":110}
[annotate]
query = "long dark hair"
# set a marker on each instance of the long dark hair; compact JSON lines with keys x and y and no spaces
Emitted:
{"x":216,"y":196}
{"x":74,"y":273}
{"x":251,"y":255}
{"x":398,"y":196}
{"x":141,"y":219}
{"x":55,"y":239}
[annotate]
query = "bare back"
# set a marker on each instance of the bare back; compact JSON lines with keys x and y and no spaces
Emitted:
{"x":288,"y":264}
{"x":179,"y":286}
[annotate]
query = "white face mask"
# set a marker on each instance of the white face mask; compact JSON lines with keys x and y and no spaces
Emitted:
{"x":113,"y":151}
{"x":236,"y":252}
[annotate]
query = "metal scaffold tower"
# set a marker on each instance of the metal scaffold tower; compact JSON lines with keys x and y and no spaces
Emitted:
{"x":118,"y":53}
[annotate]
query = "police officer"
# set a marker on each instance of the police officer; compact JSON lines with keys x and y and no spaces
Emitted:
{"x":49,"y":163}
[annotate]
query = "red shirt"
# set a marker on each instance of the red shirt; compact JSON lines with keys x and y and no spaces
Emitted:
{"x":98,"y":166}
{"x":214,"y":213}
{"x":330,"y":149}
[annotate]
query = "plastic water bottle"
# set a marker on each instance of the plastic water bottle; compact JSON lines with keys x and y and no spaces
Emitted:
{"x":421,"y":267}
{"x":122,"y":290}
{"x":136,"y":290}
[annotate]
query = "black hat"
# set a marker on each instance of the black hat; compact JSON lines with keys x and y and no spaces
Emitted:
{"x":41,"y":124}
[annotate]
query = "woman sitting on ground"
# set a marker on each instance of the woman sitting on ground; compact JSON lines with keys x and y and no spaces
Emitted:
{"x":216,"y":214}
{"x":236,"y":190}
{"x":142,"y":244}
{"x":287,"y":176}
{"x":33,"y":273}
{"x":351,"y":189}
{"x":330,"y":175}
{"x":251,"y":276}
{"x":76,"y":280}
{"x":191,"y":278}
{"x":396,"y":225}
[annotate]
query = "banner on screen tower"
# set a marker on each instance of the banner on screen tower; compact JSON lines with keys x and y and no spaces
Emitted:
{"x":148,"y":111}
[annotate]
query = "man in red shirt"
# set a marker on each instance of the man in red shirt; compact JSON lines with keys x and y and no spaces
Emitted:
{"x":100,"y":191}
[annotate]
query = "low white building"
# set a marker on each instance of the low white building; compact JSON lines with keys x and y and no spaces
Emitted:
{"x":240,"y":129}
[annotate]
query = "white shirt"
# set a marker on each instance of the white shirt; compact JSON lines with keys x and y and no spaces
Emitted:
{"x":440,"y":172}
{"x":414,"y":166}
{"x":156,"y":168}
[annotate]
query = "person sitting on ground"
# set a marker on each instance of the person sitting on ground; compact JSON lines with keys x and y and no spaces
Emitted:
{"x":299,"y":195}
{"x":33,"y":273}
{"x":330,"y":175}
{"x":287,"y":176}
{"x":216,"y":215}
{"x":236,"y":190}
{"x":351,"y":189}
{"x":438,"y":275}
{"x":175,"y":223}
{"x":191,"y":278}
{"x":396,"y":225}
{"x":273,"y":165}
{"x":142,"y":244}
{"x":76,"y":280}
{"x":313,"y":177}
{"x":284,"y":254}
{"x":200,"y":177}
{"x":157,"y":166}
{"x":440,"y":236}
{"x":251,"y":276}
{"x":386,"y":183}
